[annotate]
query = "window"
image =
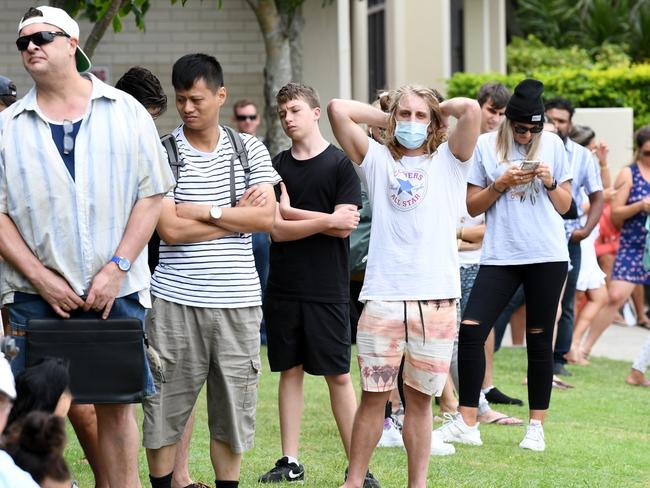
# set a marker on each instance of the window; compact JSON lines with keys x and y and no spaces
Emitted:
{"x":376,"y":47}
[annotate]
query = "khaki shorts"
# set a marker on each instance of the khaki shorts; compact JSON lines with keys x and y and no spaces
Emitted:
{"x":196,"y":345}
{"x":422,"y":332}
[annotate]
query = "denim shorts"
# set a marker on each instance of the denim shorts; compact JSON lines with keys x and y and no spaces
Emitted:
{"x":30,"y":306}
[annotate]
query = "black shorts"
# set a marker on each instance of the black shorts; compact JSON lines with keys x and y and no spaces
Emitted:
{"x":312,"y":334}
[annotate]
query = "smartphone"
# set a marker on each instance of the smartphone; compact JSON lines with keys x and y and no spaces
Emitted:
{"x":529,"y":165}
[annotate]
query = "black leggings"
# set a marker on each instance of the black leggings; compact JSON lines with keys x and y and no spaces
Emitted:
{"x":493,"y":288}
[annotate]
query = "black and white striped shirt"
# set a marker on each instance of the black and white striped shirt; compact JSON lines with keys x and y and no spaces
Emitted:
{"x":219,"y":273}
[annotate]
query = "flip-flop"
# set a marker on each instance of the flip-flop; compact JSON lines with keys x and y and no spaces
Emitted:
{"x":644,"y":325}
{"x":562,"y":385}
{"x":644,"y":384}
{"x":503,"y":420}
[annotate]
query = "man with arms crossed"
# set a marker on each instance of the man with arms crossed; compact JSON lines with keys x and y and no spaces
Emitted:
{"x":74,"y":219}
{"x":415,"y":183}
{"x":207,"y":304}
{"x":306,"y":304}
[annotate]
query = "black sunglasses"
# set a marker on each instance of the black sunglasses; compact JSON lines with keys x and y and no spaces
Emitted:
{"x":242,"y":118}
{"x":38,"y":38}
{"x":520,"y":129}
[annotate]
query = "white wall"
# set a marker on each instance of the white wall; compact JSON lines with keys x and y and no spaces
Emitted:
{"x":616,"y":127}
{"x":231,"y":34}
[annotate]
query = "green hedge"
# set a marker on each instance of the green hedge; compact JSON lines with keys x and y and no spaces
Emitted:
{"x":614,"y":87}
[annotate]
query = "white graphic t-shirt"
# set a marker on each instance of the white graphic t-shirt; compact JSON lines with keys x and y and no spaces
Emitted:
{"x":416,"y":204}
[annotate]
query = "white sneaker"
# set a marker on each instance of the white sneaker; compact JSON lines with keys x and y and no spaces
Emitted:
{"x":440,"y":448}
{"x":454,"y":429}
{"x":534,"y":438}
{"x":391,"y":436}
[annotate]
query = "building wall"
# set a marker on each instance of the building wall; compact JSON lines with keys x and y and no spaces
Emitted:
{"x":418,"y":42}
{"x":327,"y":56}
{"x":231,"y":34}
{"x":615,"y":126}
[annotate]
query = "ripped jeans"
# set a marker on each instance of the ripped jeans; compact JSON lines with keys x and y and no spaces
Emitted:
{"x":493,"y":288}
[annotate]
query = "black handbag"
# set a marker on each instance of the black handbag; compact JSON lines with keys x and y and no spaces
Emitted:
{"x":106,"y":357}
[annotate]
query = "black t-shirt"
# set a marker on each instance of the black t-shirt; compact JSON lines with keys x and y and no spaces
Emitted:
{"x":314,"y":268}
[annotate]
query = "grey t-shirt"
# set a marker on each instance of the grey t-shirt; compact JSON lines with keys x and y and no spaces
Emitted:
{"x":521,"y":232}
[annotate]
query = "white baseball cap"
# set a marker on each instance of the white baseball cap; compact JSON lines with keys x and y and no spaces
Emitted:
{"x":7,"y":384}
{"x":59,"y":18}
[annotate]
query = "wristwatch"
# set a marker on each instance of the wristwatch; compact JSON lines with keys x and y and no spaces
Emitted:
{"x":215,"y":212}
{"x":552,"y":187}
{"x":122,"y":263}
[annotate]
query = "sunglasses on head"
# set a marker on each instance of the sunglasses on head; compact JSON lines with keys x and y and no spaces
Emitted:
{"x":242,"y":118}
{"x":38,"y":38}
{"x":520,"y":129}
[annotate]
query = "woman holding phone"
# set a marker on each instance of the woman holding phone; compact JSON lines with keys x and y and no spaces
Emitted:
{"x":524,"y":244}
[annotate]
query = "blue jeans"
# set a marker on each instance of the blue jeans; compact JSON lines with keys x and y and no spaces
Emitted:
{"x":29,"y":306}
{"x":261,"y":251}
{"x":565,"y":325}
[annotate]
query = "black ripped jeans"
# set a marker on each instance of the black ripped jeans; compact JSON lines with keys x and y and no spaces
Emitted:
{"x":493,"y":288}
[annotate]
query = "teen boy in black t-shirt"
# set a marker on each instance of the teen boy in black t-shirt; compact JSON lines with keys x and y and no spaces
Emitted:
{"x":307,"y":295}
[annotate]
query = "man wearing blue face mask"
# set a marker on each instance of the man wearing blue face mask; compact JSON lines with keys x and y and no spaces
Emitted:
{"x":416,"y":182}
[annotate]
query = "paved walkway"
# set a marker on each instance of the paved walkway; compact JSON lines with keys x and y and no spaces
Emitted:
{"x":617,"y":342}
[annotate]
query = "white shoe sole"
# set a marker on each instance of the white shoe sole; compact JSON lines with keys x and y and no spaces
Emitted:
{"x":449,"y":452}
{"x":531,"y":447}
{"x":395,"y":443}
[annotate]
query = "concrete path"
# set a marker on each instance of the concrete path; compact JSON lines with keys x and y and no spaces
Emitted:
{"x":617,"y":342}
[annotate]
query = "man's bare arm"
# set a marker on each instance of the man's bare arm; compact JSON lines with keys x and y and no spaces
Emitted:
{"x":340,"y":223}
{"x":176,"y":230}
{"x":462,"y":139}
{"x":345,"y":117}
{"x":235,"y":219}
{"x":106,"y":283}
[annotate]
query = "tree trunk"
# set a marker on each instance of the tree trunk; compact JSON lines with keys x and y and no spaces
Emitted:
{"x":295,"y":22}
{"x":99,"y":29}
{"x":278,"y":69}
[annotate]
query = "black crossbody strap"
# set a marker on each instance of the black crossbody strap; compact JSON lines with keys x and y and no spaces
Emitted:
{"x":169,"y":143}
{"x":239,"y":152}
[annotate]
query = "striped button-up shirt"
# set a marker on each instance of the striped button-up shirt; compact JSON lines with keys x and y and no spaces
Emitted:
{"x":75,"y":226}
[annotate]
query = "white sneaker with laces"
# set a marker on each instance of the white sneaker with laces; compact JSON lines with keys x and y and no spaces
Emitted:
{"x":391,"y":436}
{"x":454,"y":429}
{"x":534,"y":438}
{"x":440,"y":448}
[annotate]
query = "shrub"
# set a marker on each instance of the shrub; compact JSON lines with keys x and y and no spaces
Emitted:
{"x":620,"y":86}
{"x":532,"y":55}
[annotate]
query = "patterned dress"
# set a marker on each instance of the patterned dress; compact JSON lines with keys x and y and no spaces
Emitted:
{"x":629,"y":259}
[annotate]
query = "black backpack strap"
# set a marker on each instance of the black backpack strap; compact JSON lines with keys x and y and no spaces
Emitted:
{"x":175,"y":162}
{"x":239,"y":152}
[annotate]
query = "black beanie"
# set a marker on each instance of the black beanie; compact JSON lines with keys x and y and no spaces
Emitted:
{"x":526,"y":104}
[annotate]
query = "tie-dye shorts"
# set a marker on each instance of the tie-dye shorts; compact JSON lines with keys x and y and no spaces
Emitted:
{"x":422,"y":332}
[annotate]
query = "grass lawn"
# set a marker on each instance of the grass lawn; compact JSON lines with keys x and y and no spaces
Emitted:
{"x":597,"y":435}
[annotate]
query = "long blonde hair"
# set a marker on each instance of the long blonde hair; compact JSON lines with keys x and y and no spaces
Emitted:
{"x":506,"y":141}
{"x":437,"y":133}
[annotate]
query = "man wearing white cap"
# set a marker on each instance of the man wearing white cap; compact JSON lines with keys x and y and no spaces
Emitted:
{"x":11,"y":476}
{"x":87,"y":174}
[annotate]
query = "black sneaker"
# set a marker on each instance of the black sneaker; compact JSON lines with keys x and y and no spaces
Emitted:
{"x":560,"y":369}
{"x":284,"y":471}
{"x":368,"y":482}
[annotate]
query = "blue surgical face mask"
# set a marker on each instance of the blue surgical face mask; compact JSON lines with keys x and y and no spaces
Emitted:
{"x":411,"y":135}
